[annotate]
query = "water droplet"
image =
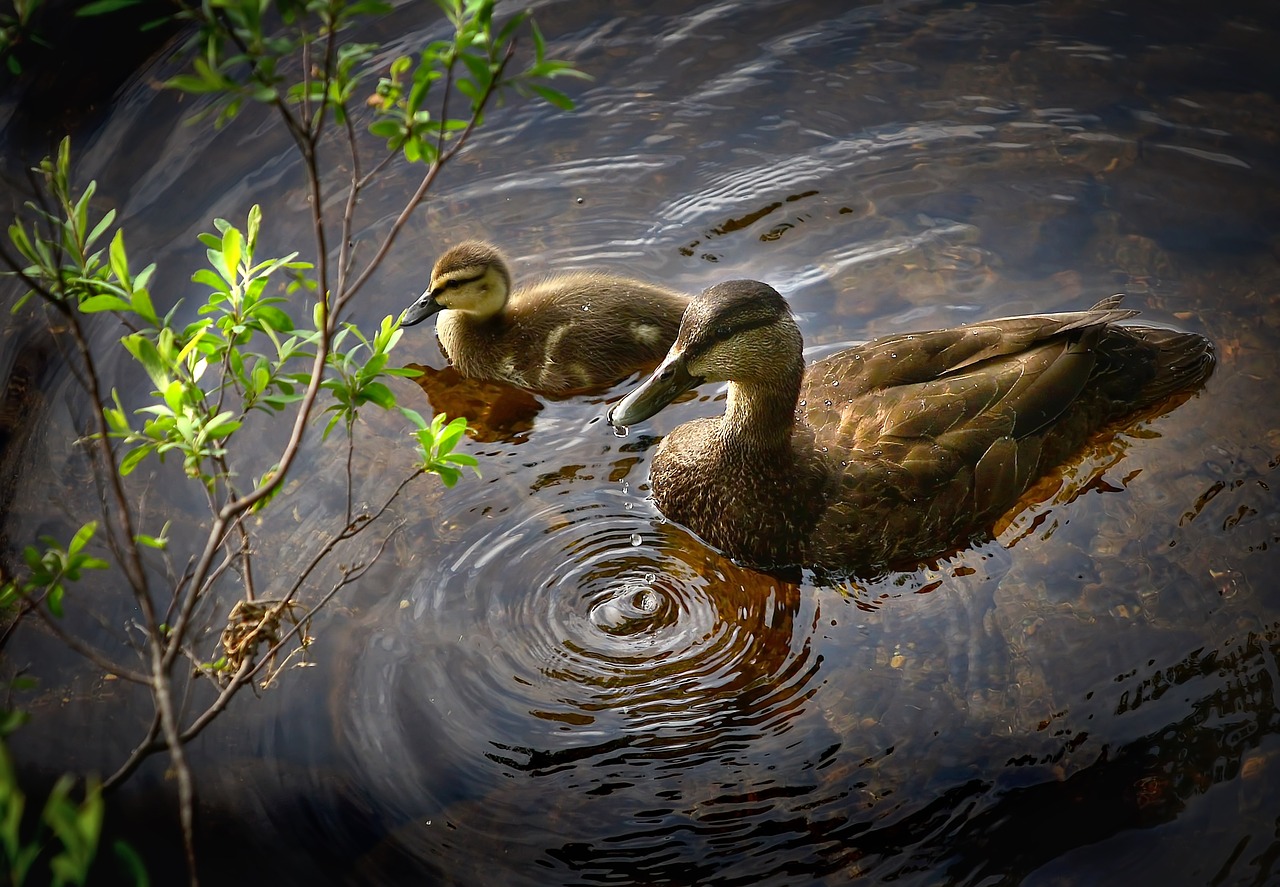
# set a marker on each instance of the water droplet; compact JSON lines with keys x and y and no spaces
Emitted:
{"x":628,"y":505}
{"x":893,"y":354}
{"x":802,"y":403}
{"x":635,"y":539}
{"x":835,"y":383}
{"x":650,"y":578}
{"x":586,"y":307}
{"x":619,"y":431}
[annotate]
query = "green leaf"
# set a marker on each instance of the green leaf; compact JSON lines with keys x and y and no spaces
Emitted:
{"x":100,"y":6}
{"x":380,"y":394}
{"x":209,"y":279}
{"x":82,"y":536}
{"x":102,"y":226}
{"x":144,"y":350}
{"x":555,"y":97}
{"x":104,"y":302}
{"x":141,"y":302}
{"x":54,"y":600}
{"x":172,"y":394}
{"x":232,"y":250}
{"x":447,"y":439}
{"x":274,"y":318}
{"x":481,"y":73}
{"x":132,"y":863}
{"x":221,"y":425}
{"x":387,"y":129}
{"x":119,"y":264}
{"x":133,"y":457}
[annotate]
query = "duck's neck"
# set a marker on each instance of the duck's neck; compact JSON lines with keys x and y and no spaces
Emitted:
{"x":762,"y":414}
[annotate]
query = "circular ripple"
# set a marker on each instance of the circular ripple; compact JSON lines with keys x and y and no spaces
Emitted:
{"x":563,"y":638}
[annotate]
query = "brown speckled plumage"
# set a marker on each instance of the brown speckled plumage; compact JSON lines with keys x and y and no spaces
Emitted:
{"x":572,"y":332}
{"x":896,"y":450}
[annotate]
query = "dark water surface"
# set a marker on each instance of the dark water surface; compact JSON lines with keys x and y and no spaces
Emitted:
{"x":542,"y":683}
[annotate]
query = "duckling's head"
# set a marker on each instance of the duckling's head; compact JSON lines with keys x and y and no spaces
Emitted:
{"x":471,"y":277}
{"x":741,"y":332}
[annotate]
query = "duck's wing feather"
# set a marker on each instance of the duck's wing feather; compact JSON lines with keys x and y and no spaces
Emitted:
{"x":923,"y":463}
{"x":957,"y":414}
{"x":921,"y":357}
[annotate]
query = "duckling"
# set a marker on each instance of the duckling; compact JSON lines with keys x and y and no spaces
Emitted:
{"x":571,"y":332}
{"x":886,"y":454}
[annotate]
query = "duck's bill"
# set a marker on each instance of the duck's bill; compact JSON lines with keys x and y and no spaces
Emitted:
{"x":669,"y":381}
{"x":420,"y":310}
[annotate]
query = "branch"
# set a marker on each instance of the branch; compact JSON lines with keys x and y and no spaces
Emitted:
{"x":427,"y":181}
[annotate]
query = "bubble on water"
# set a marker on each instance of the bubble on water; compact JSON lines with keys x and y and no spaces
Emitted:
{"x":636,"y":540}
{"x":619,"y":431}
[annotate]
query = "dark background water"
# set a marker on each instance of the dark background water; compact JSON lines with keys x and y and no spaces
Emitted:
{"x":1088,"y":698}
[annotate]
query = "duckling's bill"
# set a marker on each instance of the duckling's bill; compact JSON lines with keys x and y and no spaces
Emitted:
{"x":669,"y":381}
{"x":421,"y":309}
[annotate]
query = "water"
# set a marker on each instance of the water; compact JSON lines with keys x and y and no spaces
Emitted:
{"x":540,"y":682}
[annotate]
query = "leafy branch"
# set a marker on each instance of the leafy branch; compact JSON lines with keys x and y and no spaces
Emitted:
{"x":247,"y":357}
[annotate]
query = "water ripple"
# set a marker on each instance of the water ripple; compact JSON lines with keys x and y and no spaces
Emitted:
{"x":628,"y":646}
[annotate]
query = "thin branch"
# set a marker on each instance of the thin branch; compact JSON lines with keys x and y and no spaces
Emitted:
{"x":97,"y":657}
{"x":140,"y":753}
{"x":132,"y":561}
{"x":427,"y":181}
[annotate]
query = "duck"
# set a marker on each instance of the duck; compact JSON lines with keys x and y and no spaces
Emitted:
{"x":565,"y":334}
{"x":887,"y":454}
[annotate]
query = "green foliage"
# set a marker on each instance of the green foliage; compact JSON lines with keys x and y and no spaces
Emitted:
{"x":436,"y":442}
{"x":246,"y":351}
{"x":50,"y":569}
{"x":68,"y":828}
{"x":358,"y":372}
{"x":239,"y":62}
{"x":474,"y":63}
{"x":251,"y":354}
{"x":15,"y":30}
{"x":66,"y":256}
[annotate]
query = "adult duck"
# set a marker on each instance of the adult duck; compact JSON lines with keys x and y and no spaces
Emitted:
{"x":571,"y":332}
{"x":894,"y":451}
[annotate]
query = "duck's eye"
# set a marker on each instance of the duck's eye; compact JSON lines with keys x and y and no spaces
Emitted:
{"x":666,"y":374}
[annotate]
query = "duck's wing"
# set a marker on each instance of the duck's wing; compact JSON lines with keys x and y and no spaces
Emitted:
{"x":912,"y":358}
{"x":925,"y":463}
{"x":978,"y":427}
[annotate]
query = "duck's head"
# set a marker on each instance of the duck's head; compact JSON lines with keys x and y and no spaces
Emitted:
{"x":470,"y":277}
{"x":740,"y":331}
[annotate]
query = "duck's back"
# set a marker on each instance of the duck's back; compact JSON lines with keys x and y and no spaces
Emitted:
{"x":567,"y":333}
{"x":940,"y":433}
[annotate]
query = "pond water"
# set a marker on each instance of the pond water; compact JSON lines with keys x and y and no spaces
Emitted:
{"x":541,"y":682}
